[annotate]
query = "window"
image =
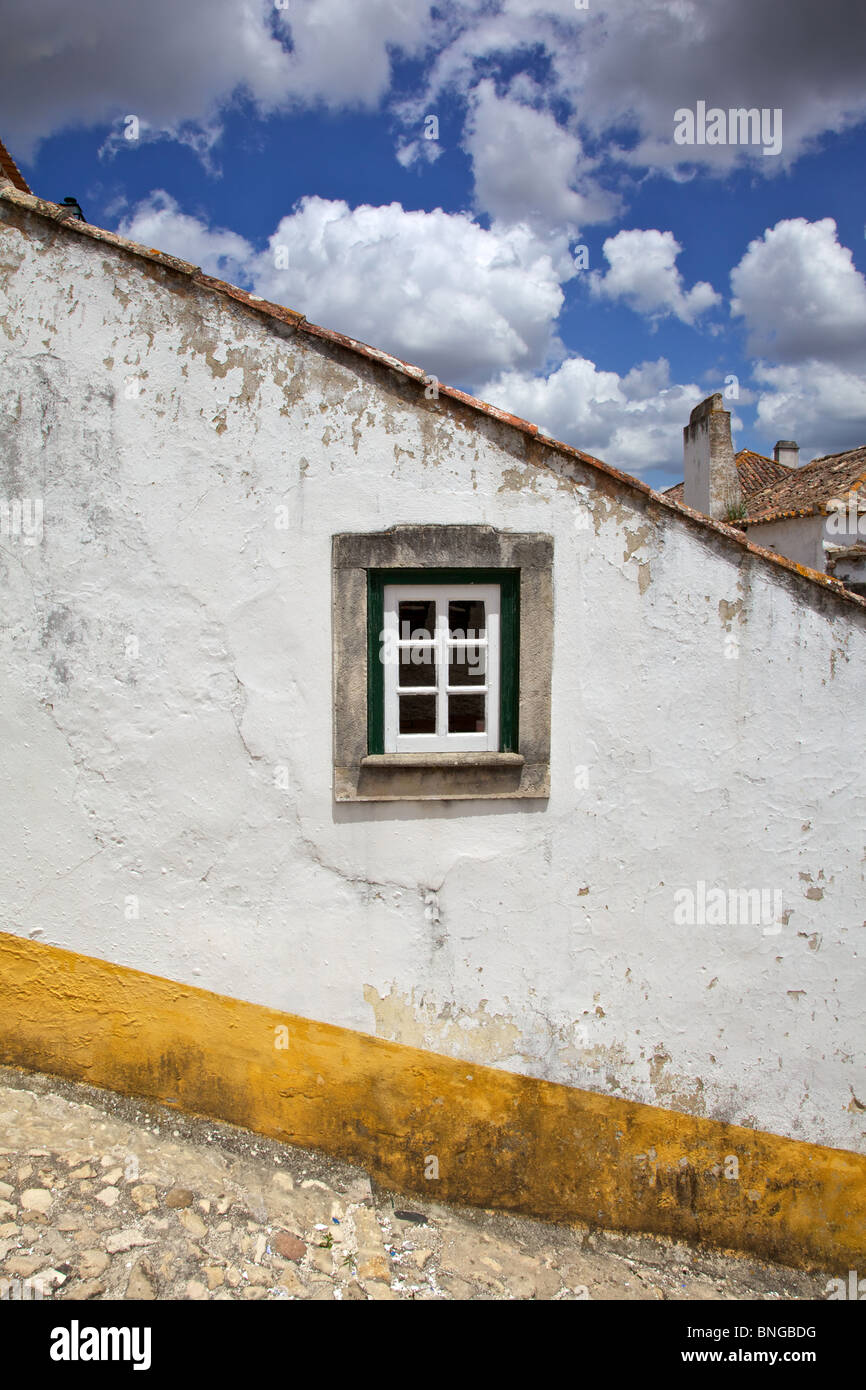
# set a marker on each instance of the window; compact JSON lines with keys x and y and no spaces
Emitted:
{"x":441,"y":660}
{"x":442,"y":663}
{"x":443,"y":657}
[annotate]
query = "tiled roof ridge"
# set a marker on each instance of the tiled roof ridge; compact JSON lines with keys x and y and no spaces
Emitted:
{"x":755,"y":453}
{"x":62,"y":216}
{"x":842,"y":454}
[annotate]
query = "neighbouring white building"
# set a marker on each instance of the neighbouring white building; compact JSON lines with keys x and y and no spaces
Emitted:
{"x":367,"y":705}
{"x":814,"y":514}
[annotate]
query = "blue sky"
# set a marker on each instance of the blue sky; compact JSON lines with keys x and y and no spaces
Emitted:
{"x":283,"y":146}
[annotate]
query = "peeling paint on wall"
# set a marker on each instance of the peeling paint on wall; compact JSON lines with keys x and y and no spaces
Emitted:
{"x":419,"y":1023}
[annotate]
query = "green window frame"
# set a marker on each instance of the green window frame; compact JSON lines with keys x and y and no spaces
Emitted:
{"x":509,"y":677}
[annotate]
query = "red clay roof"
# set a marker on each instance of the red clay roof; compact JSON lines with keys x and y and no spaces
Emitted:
{"x":756,"y":471}
{"x":775,"y":491}
{"x":60,"y":216}
{"x":807,"y":490}
{"x":9,"y":169}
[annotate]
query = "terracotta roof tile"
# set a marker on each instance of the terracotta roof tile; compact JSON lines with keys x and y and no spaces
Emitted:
{"x":9,"y":169}
{"x":757,"y":471}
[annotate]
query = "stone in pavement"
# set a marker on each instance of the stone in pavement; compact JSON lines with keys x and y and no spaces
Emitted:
{"x":92,"y":1263}
{"x":289,"y":1246}
{"x":374,"y":1267}
{"x":22,"y":1266}
{"x":36,"y":1199}
{"x":141,"y":1281}
{"x":118,"y":1241}
{"x":144,"y":1196}
{"x":89,"y":1288}
{"x":193,"y":1224}
{"x":179,"y":1197}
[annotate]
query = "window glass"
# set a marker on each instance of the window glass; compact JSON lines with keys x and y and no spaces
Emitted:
{"x":466,"y":714}
{"x":417,"y":714}
{"x":468,"y":665}
{"x":417,"y":666}
{"x":466,"y":618}
{"x":417,"y":619}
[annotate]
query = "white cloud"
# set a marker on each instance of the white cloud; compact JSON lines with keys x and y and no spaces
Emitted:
{"x":803,"y":303}
{"x":527,"y":167}
{"x":619,"y":63}
{"x":464,"y":303}
{"x":426,"y":150}
{"x":821,"y":405}
{"x":159,"y":222}
{"x":800,"y":294}
{"x":633,"y":422}
{"x":200,"y":136}
{"x":643,"y":273}
{"x":434,"y":288}
{"x":431,"y":287}
{"x":342,"y":48}
{"x":619,"y":67}
{"x":651,"y":57}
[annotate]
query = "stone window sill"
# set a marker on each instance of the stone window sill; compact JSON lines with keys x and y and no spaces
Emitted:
{"x":502,"y":760}
{"x":446,"y":776}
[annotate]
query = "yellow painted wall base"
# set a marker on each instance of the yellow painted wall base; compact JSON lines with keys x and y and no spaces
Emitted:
{"x":499,"y":1139}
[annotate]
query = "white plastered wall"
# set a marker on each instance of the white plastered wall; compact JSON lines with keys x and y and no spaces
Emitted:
{"x":799,"y":538}
{"x":166,"y":743}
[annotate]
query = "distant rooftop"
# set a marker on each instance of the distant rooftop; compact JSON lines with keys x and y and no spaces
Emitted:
{"x":806,"y":491}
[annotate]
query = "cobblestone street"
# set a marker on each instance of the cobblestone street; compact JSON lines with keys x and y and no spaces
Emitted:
{"x":102,"y":1197}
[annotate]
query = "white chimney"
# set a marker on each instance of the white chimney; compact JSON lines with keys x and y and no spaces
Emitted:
{"x":712,"y":484}
{"x":787,"y":451}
